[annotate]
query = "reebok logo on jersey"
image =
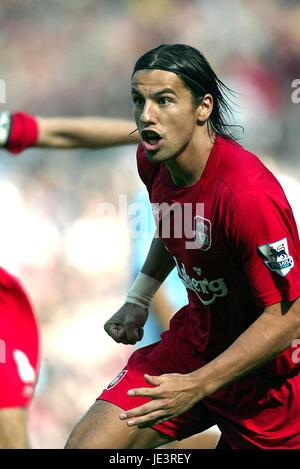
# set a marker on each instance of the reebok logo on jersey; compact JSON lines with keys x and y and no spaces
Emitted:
{"x":278,"y":257}
{"x":117,"y":379}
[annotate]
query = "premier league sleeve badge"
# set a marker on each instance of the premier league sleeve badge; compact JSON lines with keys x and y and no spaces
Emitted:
{"x":277,"y":257}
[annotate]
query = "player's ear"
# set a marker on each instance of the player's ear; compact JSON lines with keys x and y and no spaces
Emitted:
{"x":204,"y":109}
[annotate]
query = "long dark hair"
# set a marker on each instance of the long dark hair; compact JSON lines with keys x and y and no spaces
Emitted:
{"x":196,"y":73}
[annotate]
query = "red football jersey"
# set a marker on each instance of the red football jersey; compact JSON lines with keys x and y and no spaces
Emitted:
{"x":235,"y":243}
{"x":19,"y":344}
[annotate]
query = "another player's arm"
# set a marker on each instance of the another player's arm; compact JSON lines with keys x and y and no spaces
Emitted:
{"x":88,"y":132}
{"x":173,"y":394}
{"x":126,"y":326}
{"x":19,"y":131}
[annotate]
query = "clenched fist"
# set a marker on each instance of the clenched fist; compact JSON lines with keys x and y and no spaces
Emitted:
{"x":127,"y":325}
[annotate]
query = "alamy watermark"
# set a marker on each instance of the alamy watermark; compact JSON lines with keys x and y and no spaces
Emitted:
{"x":2,"y":92}
{"x":295,"y":96}
{"x":180,"y":221}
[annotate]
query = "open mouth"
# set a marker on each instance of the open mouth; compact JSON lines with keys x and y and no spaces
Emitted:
{"x":151,"y":140}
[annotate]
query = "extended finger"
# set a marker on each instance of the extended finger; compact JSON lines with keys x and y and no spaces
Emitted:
{"x":152,"y":393}
{"x":155,"y":421}
{"x":148,"y":420}
{"x":144,"y":409}
{"x":154,"y":380}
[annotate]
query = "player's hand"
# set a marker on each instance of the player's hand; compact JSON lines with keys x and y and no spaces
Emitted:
{"x":127,"y":325}
{"x":171,"y":395}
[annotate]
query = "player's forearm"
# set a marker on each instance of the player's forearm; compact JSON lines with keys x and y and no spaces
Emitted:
{"x":85,"y":132}
{"x":159,"y":262}
{"x":19,"y":131}
{"x":271,"y":333}
{"x":156,"y":268}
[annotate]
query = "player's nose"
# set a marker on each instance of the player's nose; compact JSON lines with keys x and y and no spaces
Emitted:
{"x":148,"y":115}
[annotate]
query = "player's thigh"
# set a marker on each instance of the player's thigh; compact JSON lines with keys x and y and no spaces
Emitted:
{"x":102,"y":428}
{"x":13,"y":433}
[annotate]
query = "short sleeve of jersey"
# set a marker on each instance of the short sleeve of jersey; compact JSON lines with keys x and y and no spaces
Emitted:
{"x":265,"y":238}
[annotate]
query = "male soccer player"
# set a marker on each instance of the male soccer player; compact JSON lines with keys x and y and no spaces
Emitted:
{"x":228,"y":355}
{"x":22,"y":130}
{"x":19,"y":341}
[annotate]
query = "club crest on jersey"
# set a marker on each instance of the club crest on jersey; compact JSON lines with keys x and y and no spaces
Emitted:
{"x":156,"y":211}
{"x":117,"y":379}
{"x":202,"y":228}
{"x":278,"y":257}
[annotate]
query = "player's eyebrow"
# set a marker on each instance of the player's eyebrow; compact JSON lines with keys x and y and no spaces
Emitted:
{"x":158,"y":93}
{"x":134,"y":90}
{"x":166,"y":91}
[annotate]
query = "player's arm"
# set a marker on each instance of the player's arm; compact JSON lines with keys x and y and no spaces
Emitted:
{"x":159,"y":262}
{"x":126,"y":326}
{"x":20,"y":130}
{"x":275,"y":330}
{"x":173,"y":394}
{"x":89,"y":132}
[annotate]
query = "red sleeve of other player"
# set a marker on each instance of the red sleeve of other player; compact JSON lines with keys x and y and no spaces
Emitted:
{"x":23,"y":132}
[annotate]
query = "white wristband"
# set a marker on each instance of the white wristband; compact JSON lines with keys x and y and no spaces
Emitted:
{"x":143,"y":290}
{"x":5,"y":119}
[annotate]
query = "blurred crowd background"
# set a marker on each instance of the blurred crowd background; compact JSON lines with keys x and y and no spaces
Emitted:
{"x":75,"y":57}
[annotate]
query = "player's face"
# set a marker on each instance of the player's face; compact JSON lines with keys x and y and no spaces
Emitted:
{"x":164,"y":112}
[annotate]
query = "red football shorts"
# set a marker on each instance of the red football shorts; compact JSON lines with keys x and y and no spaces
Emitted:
{"x":259,"y":411}
{"x":19,"y":344}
